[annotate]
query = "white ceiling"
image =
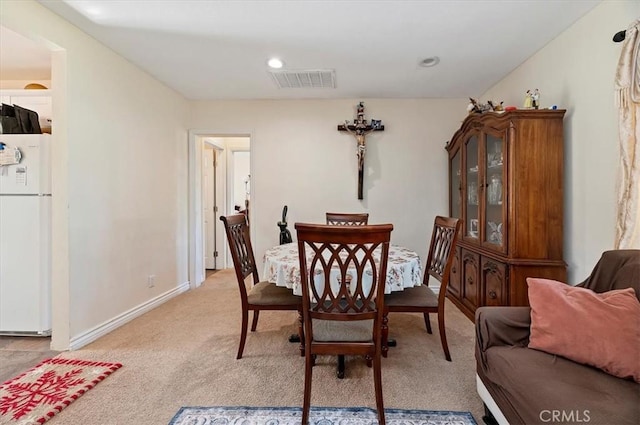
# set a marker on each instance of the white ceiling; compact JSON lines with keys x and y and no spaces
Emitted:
{"x":209,"y":49}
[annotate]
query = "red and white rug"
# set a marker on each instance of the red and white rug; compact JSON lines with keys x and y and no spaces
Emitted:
{"x":44,"y":390}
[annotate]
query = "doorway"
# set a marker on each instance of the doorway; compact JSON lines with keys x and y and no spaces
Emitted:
{"x":219,"y":180}
{"x":211,"y":204}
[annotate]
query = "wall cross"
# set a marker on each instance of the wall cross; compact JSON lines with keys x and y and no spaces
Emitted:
{"x":359,"y":129}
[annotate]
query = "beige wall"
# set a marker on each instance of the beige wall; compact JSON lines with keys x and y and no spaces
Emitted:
{"x":119,"y":178}
{"x":299,"y":159}
{"x":576,"y":72}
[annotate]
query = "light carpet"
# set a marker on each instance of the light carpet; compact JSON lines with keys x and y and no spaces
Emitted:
{"x":317,"y":416}
{"x":183,"y":353}
{"x":44,"y":390}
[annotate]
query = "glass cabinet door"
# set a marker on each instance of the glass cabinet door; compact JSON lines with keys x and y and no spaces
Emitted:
{"x":455,"y":188}
{"x":472,"y":185}
{"x":494,"y":192}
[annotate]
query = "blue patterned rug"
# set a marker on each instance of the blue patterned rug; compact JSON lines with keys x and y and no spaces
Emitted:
{"x":317,"y":416}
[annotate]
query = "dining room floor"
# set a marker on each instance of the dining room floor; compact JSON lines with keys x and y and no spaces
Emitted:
{"x":25,"y":343}
{"x":19,"y":353}
{"x":210,"y":272}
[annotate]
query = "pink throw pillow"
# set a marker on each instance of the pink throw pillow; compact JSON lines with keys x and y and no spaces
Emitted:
{"x":601,"y":330}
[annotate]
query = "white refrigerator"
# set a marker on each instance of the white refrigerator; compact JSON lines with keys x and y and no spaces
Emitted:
{"x":25,"y":237}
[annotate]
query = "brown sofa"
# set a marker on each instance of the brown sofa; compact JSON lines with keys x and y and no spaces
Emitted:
{"x":519,"y":385}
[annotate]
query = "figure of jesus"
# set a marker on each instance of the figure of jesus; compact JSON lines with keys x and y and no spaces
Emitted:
{"x":359,"y":134}
{"x":362,"y":148}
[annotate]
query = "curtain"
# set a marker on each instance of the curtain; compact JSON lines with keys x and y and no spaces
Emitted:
{"x":627,"y":96}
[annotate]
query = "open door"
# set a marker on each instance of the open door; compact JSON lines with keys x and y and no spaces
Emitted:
{"x":209,"y":204}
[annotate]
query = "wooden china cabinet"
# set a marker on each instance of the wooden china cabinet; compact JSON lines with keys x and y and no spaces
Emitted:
{"x":506,"y":186}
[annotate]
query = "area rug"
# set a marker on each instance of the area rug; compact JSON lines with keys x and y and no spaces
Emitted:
{"x":44,"y":390}
{"x":317,"y":416}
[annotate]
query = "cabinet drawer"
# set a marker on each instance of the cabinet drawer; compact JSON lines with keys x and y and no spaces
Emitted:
{"x":494,"y":282}
{"x":470,"y":279}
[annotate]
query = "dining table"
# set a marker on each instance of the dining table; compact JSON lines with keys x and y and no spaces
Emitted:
{"x":282,"y":268}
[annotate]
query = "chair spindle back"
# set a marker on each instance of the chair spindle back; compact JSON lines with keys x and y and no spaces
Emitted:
{"x":347,"y":219}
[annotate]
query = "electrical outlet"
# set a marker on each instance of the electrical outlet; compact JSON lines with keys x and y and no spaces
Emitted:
{"x":151,"y":281}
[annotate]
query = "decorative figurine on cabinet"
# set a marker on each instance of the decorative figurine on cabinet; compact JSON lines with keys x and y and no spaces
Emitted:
{"x":496,"y":107}
{"x":535,"y":99}
{"x":532,"y":99}
{"x":476,"y":107}
{"x":528,"y":100}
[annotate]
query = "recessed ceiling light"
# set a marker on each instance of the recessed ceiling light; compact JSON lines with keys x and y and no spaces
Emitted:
{"x":429,"y":62}
{"x":275,"y":63}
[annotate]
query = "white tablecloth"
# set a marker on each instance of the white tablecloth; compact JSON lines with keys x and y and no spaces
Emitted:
{"x":282,"y":267}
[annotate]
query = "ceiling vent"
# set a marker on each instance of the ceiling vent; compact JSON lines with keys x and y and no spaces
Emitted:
{"x":314,"y":78}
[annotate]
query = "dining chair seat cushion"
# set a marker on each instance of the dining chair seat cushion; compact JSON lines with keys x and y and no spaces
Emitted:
{"x":338,"y":330}
{"x":418,"y":296}
{"x":267,"y":293}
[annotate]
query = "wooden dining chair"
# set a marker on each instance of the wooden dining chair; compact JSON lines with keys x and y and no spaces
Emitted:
{"x":347,"y":219}
{"x":422,"y":299}
{"x":341,"y":315}
{"x":262,"y":295}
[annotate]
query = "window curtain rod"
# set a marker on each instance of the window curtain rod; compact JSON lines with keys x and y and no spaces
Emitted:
{"x":619,"y":36}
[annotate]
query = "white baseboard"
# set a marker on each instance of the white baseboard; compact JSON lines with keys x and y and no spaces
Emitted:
{"x":483,"y":392}
{"x":114,"y":323}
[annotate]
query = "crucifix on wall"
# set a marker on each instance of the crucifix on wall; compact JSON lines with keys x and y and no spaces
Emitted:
{"x":360,"y":128}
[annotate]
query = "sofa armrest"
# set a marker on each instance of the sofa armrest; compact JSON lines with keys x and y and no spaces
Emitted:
{"x":502,"y":326}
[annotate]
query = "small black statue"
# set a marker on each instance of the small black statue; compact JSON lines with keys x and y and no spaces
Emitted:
{"x":285,"y":234}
